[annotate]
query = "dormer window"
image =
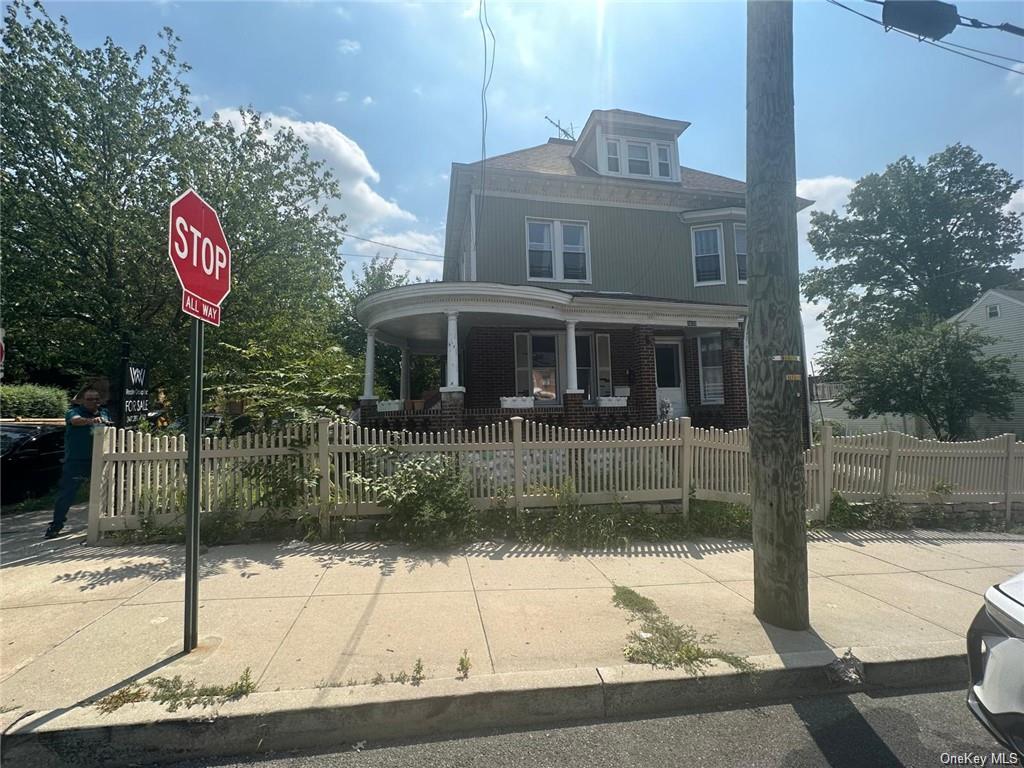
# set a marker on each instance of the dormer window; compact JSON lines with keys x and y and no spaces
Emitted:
{"x":639,"y":158}
{"x":665,"y":161}
{"x":613,"y":156}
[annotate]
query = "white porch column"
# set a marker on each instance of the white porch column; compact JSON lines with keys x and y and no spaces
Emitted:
{"x":572,"y":385}
{"x":403,"y":392}
{"x":371,"y":350}
{"x":452,"y":359}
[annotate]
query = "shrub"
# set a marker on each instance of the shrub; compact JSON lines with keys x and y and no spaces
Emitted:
{"x":426,"y":495}
{"x":883,"y":513}
{"x":717,"y":518}
{"x":32,"y":401}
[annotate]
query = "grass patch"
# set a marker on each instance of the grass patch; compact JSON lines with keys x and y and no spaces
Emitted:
{"x":175,"y":693}
{"x":665,"y":644}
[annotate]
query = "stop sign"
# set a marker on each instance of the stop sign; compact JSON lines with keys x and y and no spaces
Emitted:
{"x":201,"y":257}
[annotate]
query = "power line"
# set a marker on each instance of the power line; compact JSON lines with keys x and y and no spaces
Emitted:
{"x":986,"y":53}
{"x":395,"y":247}
{"x":400,"y":258}
{"x":930,"y":42}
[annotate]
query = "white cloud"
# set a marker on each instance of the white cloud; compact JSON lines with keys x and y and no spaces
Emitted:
{"x":292,"y":113}
{"x":829,"y":193}
{"x":1015,"y":79}
{"x":363,"y":206}
{"x":341,"y":96}
{"x":419,"y":266}
{"x":343,"y":12}
{"x":367,"y":101}
{"x":347,"y":46}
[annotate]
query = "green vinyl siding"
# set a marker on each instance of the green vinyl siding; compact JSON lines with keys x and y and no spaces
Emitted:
{"x":632,"y":250}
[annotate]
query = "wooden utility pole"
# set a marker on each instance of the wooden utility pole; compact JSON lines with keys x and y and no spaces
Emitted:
{"x":775,"y":362}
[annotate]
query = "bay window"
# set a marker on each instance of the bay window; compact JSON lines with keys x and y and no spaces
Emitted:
{"x":740,"y":233}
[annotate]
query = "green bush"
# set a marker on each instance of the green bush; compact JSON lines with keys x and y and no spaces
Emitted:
{"x":721,"y":519}
{"x":884,"y":513}
{"x":32,"y":401}
{"x":426,"y":495}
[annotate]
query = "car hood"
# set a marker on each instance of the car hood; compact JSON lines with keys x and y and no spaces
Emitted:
{"x":1014,"y":588}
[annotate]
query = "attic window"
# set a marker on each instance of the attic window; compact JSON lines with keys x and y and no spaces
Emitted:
{"x":993,"y":310}
{"x":639,"y":158}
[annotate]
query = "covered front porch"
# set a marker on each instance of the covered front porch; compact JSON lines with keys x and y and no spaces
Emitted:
{"x":573,"y":359}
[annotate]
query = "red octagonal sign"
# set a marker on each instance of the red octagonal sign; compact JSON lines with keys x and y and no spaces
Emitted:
{"x":201,"y":257}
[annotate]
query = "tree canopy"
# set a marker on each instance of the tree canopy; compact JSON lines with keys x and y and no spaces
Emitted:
{"x":94,"y":145}
{"x":939,"y":372}
{"x":918,"y":244}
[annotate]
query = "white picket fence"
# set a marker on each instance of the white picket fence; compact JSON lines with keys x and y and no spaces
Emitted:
{"x":137,"y":477}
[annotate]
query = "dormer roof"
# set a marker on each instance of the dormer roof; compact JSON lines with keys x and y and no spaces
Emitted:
{"x":625,"y":122}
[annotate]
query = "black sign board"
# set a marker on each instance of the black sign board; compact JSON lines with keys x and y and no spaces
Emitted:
{"x":135,"y":393}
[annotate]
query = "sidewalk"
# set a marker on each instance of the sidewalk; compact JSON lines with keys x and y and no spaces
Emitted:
{"x":80,"y":621}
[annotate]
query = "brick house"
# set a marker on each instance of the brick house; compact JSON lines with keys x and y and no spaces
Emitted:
{"x":588,"y":283}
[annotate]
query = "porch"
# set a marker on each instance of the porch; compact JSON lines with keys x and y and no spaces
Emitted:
{"x":571,"y":359}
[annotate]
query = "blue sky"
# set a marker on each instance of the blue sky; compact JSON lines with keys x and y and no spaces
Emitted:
{"x":389,"y":93}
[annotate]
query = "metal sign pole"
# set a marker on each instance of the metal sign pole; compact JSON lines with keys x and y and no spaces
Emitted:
{"x":195,"y":432}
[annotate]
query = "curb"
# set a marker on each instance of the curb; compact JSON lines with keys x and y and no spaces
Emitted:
{"x":330,"y":718}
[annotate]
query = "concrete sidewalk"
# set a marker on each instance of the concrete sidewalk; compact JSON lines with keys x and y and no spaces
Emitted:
{"x":79,"y":621}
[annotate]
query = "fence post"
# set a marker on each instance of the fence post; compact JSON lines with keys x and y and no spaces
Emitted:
{"x":99,"y":444}
{"x":1011,"y":447}
{"x":517,"y":460}
{"x":686,"y":463}
{"x":324,"y":465}
{"x":889,"y":469}
{"x":825,"y":470}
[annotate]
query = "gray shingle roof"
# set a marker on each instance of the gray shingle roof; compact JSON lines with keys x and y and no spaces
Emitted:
{"x":553,"y":158}
{"x":1013,"y":293}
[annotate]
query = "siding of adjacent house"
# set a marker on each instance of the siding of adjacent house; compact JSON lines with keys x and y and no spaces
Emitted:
{"x":632,"y":250}
{"x":1009,"y":327}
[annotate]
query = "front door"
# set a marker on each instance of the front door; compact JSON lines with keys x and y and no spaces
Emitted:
{"x":669,"y":368}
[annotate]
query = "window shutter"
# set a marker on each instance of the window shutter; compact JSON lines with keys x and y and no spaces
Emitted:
{"x":604,"y":365}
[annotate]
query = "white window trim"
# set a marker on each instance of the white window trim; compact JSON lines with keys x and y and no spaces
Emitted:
{"x":652,"y":154}
{"x":700,"y":369}
{"x":560,"y":362}
{"x":736,"y":254}
{"x":721,"y":254}
{"x":557,"y":254}
{"x":988,"y":311}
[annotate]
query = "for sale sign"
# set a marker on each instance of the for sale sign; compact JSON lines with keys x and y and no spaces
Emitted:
{"x":201,"y":257}
{"x":135,"y":398}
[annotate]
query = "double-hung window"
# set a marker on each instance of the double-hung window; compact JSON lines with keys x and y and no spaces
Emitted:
{"x":613,"y":156}
{"x":537,"y":366}
{"x":709,"y":349}
{"x":558,"y":250}
{"x":707,"y":255}
{"x":740,"y":233}
{"x":665,"y":161}
{"x":638,"y":158}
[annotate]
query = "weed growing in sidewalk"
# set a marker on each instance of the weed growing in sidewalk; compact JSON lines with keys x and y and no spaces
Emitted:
{"x":663,"y":643}
{"x":174,"y":693}
{"x":464,"y":665}
{"x":417,"y":673}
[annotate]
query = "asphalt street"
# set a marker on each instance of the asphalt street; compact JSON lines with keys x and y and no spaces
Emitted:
{"x":918,"y":729}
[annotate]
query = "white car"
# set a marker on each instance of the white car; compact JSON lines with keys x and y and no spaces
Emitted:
{"x":995,"y":656}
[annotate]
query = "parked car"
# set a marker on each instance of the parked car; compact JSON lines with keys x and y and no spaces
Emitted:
{"x":30,"y":460}
{"x":995,"y":656}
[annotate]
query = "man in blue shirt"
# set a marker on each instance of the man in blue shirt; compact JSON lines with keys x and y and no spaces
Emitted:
{"x":80,"y":420}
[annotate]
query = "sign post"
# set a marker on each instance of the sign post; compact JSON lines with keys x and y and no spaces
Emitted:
{"x":202,"y":259}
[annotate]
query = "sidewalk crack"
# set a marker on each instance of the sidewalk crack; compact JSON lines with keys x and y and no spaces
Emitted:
{"x":479,"y":613}
{"x":291,"y":626}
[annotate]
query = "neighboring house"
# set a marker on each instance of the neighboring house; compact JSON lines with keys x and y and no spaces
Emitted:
{"x":1000,"y":313}
{"x":587,"y":283}
{"x":826,"y":407}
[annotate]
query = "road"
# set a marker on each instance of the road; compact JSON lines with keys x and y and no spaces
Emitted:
{"x":839,"y":731}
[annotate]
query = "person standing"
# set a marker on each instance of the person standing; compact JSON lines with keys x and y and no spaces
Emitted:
{"x":81,"y":418}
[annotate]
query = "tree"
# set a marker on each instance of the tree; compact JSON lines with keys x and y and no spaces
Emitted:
{"x":939,"y":372}
{"x":379,"y":274}
{"x":918,"y":244}
{"x":95,"y":146}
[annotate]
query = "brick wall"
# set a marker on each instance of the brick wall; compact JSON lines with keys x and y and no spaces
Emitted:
{"x":731,"y":414}
{"x":490,"y":366}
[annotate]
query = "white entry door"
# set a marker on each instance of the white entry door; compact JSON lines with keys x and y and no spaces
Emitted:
{"x":668,"y":357}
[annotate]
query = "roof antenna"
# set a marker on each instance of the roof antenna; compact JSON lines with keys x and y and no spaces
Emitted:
{"x":566,"y":134}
